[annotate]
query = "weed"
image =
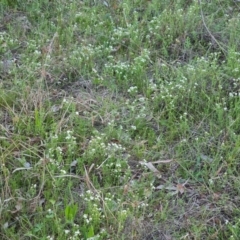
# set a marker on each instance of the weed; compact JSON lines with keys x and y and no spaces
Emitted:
{"x":119,"y":120}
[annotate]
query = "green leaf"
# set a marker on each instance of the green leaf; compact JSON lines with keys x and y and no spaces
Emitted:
{"x":70,"y":212}
{"x":90,"y":232}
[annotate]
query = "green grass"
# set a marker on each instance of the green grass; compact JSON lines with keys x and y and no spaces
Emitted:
{"x":119,"y":120}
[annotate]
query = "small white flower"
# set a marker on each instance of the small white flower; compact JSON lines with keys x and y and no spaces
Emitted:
{"x":77,"y":233}
{"x":37,"y":52}
{"x":210,"y":181}
{"x":132,"y":89}
{"x":133,"y":127}
{"x":141,"y":99}
{"x":118,"y":165}
{"x":59,"y":149}
{"x":55,"y":136}
{"x":66,"y":231}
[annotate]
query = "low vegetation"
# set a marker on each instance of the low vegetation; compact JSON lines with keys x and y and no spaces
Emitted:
{"x":119,"y":119}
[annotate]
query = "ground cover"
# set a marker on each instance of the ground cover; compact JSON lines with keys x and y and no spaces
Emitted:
{"x":119,"y":119}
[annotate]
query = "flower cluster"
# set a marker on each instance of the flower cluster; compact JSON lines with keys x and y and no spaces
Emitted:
{"x":74,"y":233}
{"x":96,"y":146}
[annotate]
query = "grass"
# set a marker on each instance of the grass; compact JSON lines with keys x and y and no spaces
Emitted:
{"x":119,"y":120}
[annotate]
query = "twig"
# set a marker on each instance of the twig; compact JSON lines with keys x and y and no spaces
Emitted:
{"x":206,"y":27}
